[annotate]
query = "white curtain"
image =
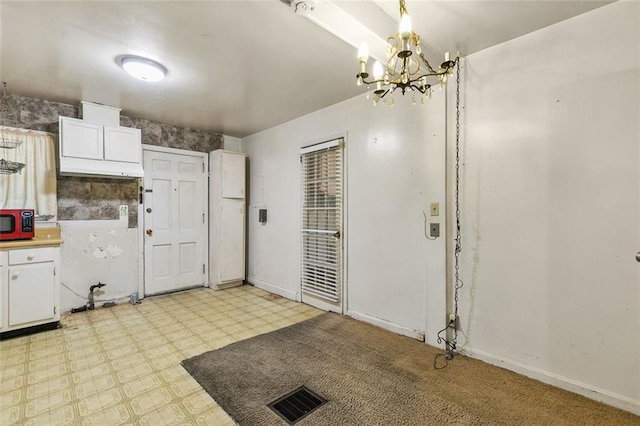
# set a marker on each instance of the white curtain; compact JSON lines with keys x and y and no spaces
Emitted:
{"x":34,"y":187}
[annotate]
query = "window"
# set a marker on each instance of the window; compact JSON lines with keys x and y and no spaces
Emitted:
{"x":34,"y":187}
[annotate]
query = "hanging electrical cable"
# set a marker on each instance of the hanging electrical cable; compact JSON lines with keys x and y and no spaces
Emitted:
{"x":451,"y":345}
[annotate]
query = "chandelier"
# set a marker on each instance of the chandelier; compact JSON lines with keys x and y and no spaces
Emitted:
{"x":407,"y":69}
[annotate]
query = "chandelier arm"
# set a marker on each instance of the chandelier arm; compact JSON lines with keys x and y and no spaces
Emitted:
{"x":419,"y":88}
{"x":371,"y":82}
{"x":388,"y":91}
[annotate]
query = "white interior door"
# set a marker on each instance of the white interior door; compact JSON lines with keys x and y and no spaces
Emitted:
{"x":322,"y":242}
{"x":175,"y":217}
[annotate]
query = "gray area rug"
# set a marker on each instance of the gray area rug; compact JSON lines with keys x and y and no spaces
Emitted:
{"x":374,"y":377}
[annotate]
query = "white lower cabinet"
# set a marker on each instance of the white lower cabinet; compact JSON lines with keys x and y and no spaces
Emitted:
{"x":231,"y":243}
{"x":30,"y":288}
{"x":3,"y":279}
{"x":31,"y":294}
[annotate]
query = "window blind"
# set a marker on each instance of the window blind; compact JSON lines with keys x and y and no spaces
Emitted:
{"x":322,"y":220}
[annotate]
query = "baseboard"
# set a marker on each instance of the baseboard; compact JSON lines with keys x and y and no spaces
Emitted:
{"x":224,"y":286}
{"x":388,"y":325}
{"x":592,"y":392}
{"x":99,"y":304}
{"x":273,"y":289}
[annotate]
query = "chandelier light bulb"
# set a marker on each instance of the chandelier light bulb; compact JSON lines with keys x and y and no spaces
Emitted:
{"x":405,"y":27}
{"x":363,"y":52}
{"x":378,"y":72}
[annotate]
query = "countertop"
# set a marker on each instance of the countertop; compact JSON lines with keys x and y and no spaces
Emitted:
{"x":45,"y":236}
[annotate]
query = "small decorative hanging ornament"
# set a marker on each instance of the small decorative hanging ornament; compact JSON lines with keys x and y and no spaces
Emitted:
{"x":8,"y":117}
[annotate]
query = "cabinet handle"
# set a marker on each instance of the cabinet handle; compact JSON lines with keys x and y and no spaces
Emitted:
{"x":31,"y":257}
{"x":15,"y":275}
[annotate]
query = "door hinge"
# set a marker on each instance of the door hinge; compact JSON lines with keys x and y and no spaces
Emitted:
{"x":203,"y":167}
{"x":55,"y":309}
{"x":54,"y":272}
{"x":202,"y":217}
{"x":203,"y":268}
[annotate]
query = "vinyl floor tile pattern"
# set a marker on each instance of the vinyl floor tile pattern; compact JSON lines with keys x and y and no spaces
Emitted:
{"x":121,"y":365}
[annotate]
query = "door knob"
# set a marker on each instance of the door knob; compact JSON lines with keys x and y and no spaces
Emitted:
{"x":149,"y":232}
{"x":638,"y":256}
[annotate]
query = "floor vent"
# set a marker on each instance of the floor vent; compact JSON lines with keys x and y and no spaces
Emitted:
{"x":296,"y":405}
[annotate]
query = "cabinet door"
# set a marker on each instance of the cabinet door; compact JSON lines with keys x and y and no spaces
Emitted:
{"x":232,"y":175}
{"x":232,"y":240}
{"x":3,"y":274}
{"x":81,"y":139}
{"x":122,"y":144}
{"x":31,"y":293}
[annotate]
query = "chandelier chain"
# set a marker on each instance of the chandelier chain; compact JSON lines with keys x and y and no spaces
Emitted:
{"x":424,"y":59}
{"x":458,"y":247}
{"x":452,"y":345}
{"x":403,"y":8}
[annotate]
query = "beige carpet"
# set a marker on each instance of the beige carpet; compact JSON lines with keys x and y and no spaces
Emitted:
{"x":374,"y":377}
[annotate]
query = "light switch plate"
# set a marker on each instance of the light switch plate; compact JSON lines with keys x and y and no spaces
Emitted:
{"x":435,"y":209}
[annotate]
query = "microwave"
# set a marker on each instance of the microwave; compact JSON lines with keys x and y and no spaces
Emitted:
{"x":16,"y":224}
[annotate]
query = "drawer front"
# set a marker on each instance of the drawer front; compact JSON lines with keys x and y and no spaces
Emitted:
{"x":31,"y":255}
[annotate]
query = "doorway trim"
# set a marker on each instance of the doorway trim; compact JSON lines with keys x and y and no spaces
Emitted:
{"x":141,"y":265}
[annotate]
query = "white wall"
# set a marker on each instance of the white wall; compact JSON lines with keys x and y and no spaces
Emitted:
{"x":97,"y":251}
{"x":394,"y":169}
{"x":550,"y":211}
{"x":550,"y":206}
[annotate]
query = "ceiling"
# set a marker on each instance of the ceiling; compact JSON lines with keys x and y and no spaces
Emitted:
{"x":235,"y":67}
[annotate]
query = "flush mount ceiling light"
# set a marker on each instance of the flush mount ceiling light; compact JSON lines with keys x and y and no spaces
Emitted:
{"x":407,"y":68}
{"x":143,"y":68}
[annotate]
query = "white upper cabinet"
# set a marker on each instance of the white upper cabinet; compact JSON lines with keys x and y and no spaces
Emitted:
{"x":122,"y":144}
{"x":232,"y":174}
{"x":82,"y":139}
{"x":93,"y":149}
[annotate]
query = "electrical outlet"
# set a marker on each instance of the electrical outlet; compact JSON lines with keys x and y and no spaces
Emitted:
{"x":435,"y":230}
{"x":124,"y":210}
{"x":435,"y":209}
{"x":454,"y":321}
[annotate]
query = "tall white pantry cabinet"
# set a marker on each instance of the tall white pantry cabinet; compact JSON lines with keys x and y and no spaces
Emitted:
{"x":226,"y":219}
